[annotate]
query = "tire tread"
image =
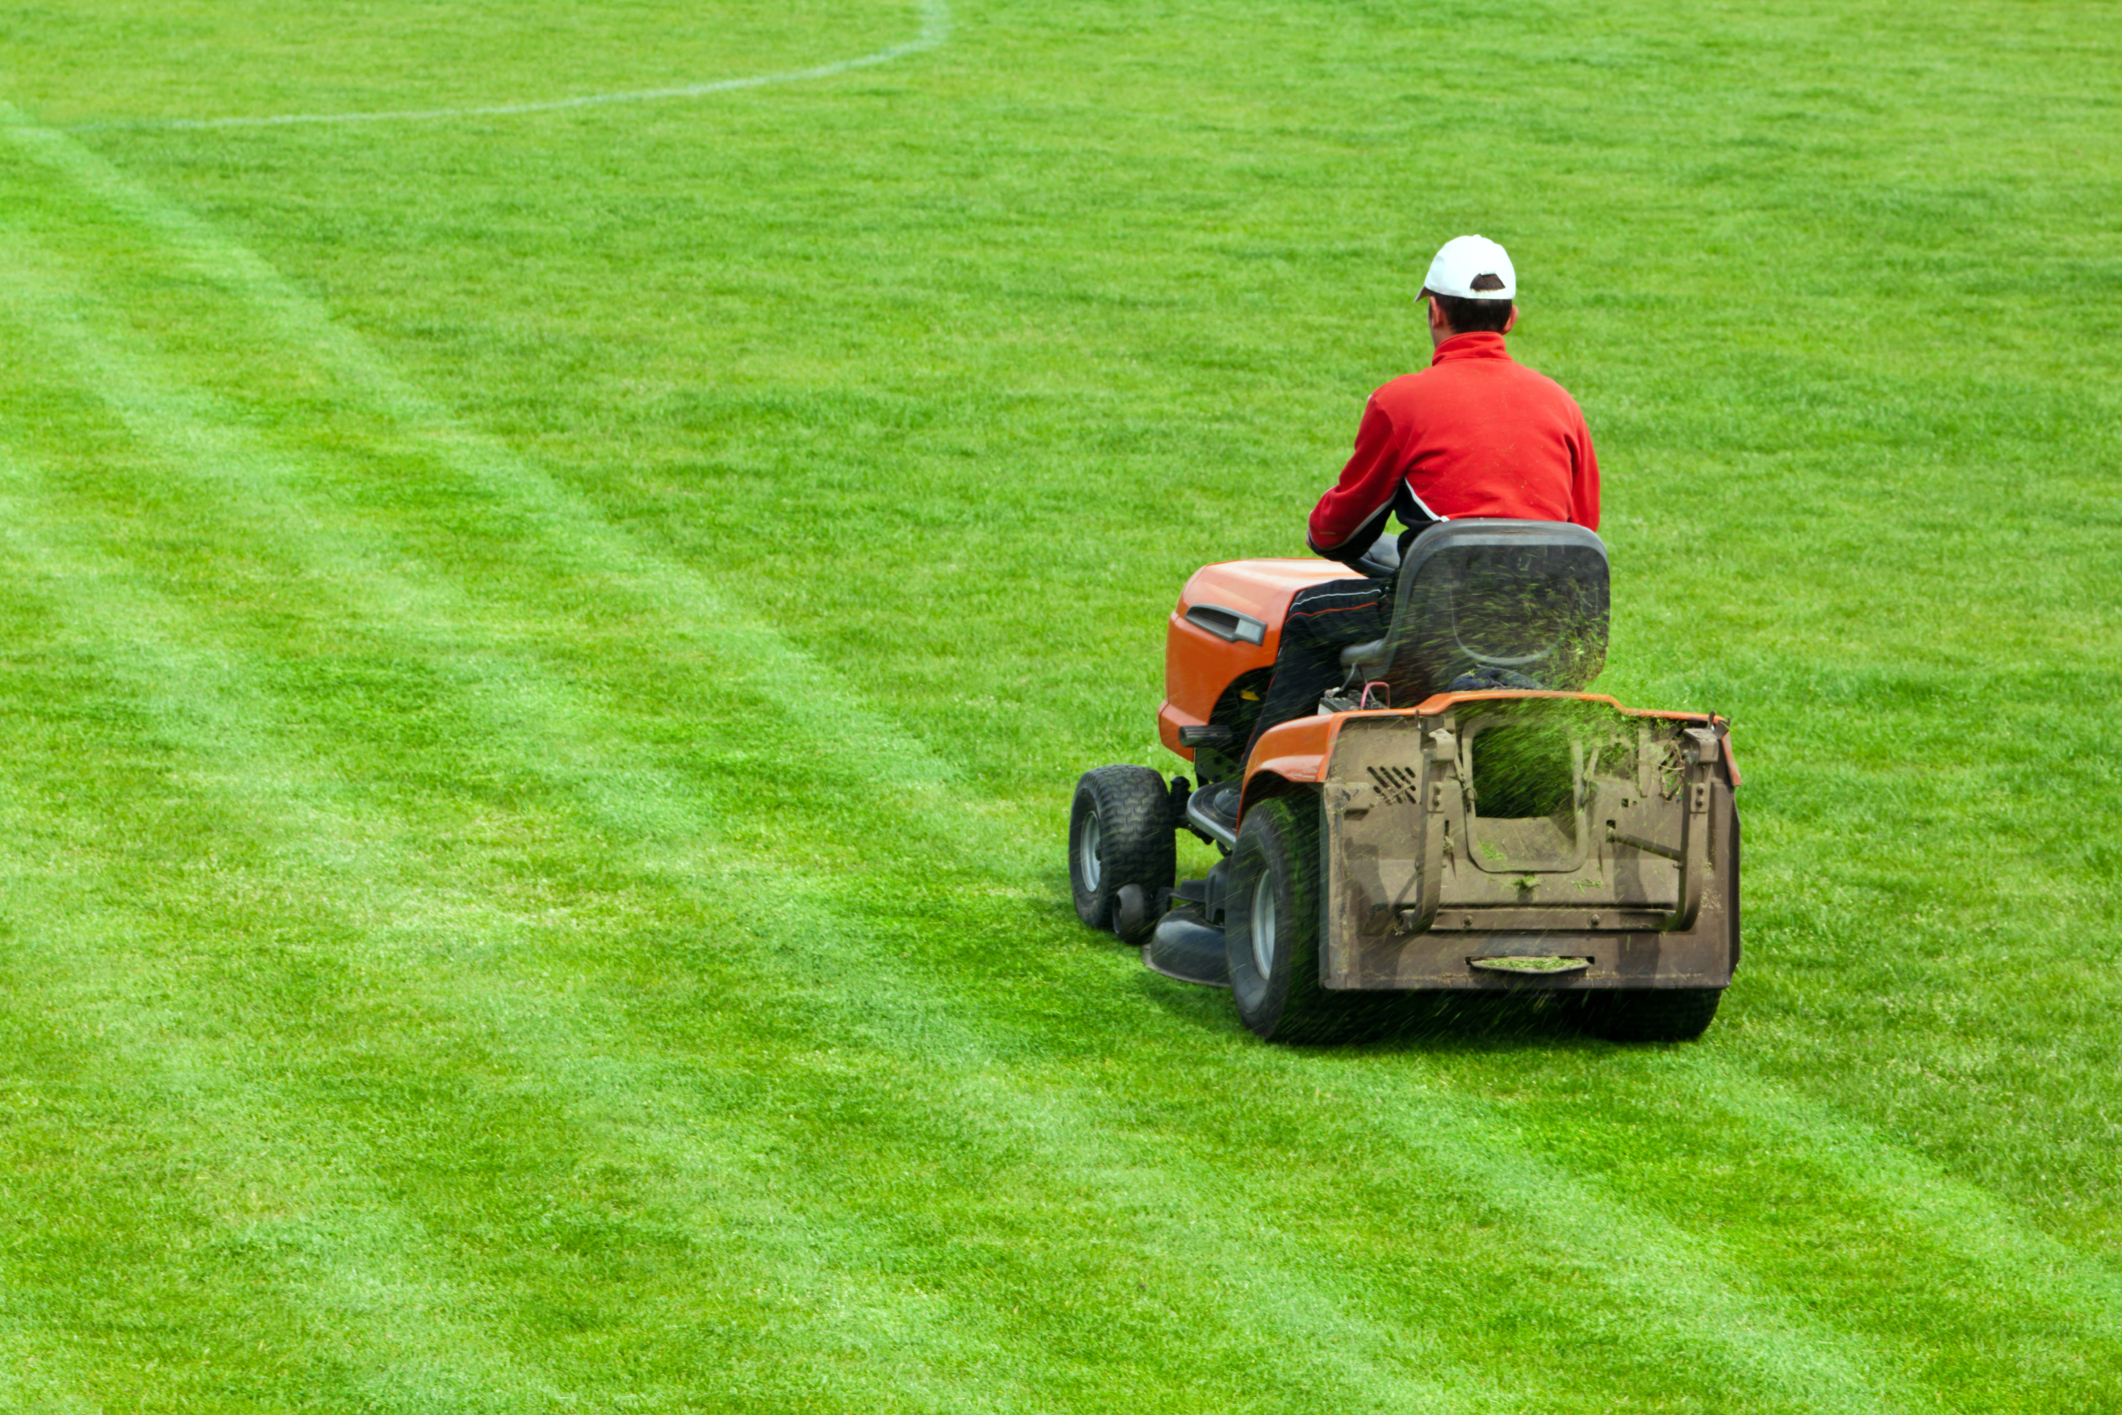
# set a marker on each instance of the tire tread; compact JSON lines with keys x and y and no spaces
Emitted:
{"x":1309,"y":1012}
{"x":1651,"y":1014}
{"x":1138,"y":844}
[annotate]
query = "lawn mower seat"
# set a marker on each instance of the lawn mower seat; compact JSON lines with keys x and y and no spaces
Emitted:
{"x":1492,"y":603}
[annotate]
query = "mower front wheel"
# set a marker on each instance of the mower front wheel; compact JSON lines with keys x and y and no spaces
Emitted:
{"x":1120,"y":833}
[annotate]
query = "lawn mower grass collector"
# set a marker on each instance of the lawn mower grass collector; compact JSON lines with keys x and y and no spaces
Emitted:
{"x":1483,"y":839}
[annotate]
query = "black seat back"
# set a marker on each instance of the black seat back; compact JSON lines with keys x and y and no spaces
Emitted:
{"x":1517,"y":603}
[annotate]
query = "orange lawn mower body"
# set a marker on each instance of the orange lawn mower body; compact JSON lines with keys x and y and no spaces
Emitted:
{"x":1426,"y":832}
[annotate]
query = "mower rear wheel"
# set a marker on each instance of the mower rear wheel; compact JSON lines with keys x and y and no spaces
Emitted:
{"x":1650,"y":1014}
{"x":1671,"y":1014}
{"x":1120,"y":833}
{"x":1271,"y":932}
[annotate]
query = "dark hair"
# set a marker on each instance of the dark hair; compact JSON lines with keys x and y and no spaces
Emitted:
{"x":1468,"y":316}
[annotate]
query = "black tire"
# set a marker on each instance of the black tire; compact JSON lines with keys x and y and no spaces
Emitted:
{"x":1650,"y":1014}
{"x":1671,"y":1014}
{"x":1119,"y":834}
{"x":1275,"y":881}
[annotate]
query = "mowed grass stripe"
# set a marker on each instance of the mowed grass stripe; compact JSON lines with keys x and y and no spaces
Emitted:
{"x":36,"y":1373}
{"x":193,"y":992}
{"x":109,"y":374}
{"x":875,"y":747}
{"x":225,"y":455}
{"x":415,"y":988}
{"x":222,"y":460}
{"x":1066,"y":1143}
{"x":486,"y":503}
{"x":1943,"y":1290}
{"x":216,"y":720}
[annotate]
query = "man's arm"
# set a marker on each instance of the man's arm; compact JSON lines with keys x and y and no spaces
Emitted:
{"x":1584,"y":478}
{"x":1352,"y":515}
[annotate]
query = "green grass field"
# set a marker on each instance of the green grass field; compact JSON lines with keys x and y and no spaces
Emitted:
{"x":546,"y":654}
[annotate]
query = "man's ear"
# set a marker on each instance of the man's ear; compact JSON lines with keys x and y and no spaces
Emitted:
{"x":1512,"y":322}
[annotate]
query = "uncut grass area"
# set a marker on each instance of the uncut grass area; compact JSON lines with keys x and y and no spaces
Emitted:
{"x":546,"y":655}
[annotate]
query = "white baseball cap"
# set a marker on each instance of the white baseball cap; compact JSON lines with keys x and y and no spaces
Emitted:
{"x":1465,"y":260}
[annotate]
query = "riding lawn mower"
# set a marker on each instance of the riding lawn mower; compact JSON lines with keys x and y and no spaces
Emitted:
{"x":1460,"y":817}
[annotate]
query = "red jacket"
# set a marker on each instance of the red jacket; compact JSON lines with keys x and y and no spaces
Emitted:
{"x":1474,"y":434}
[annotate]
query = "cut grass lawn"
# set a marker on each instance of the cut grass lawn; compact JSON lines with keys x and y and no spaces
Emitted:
{"x":546,"y":656}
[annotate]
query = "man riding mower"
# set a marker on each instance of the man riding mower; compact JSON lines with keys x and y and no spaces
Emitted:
{"x":1408,"y":785}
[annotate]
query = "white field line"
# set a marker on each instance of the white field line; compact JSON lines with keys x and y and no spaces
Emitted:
{"x":935,"y":29}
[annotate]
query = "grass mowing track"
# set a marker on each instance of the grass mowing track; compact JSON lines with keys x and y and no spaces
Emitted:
{"x":546,"y":656}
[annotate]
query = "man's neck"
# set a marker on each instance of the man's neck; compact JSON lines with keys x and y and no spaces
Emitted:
{"x":1477,"y":344}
